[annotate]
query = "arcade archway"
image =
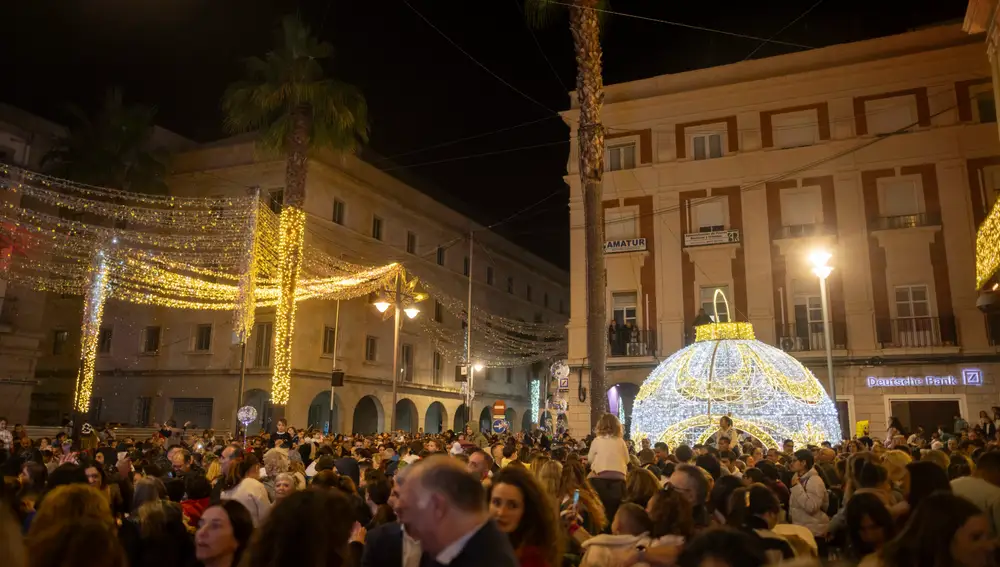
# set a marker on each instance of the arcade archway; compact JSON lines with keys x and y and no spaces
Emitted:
{"x":435,"y":419}
{"x":406,"y":415}
{"x":368,"y":416}
{"x":320,"y":415}
{"x":260,"y":399}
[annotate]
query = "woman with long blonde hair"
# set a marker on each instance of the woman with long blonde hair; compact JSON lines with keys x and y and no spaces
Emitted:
{"x":608,"y":458}
{"x":549,"y":475}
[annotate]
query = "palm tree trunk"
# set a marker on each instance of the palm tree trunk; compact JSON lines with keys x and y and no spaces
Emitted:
{"x":585,"y":29}
{"x":290,"y":245}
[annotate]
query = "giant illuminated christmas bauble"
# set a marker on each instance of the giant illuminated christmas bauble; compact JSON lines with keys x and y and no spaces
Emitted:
{"x":767,"y":393}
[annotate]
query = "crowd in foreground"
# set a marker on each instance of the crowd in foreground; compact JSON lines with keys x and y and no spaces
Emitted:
{"x":303,"y":499}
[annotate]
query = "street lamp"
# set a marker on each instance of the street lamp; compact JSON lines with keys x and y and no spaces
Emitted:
{"x":821,"y":269}
{"x":469,"y":393}
{"x":403,"y":300}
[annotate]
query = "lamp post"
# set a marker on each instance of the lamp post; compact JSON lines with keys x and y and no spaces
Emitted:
{"x":822,"y":270}
{"x":469,"y":393}
{"x":403,"y":303}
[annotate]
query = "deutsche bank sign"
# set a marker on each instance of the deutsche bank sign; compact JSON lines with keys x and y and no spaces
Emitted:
{"x":969,"y":377}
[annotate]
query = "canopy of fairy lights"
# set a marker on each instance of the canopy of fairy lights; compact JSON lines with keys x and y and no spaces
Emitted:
{"x":767,"y":393}
{"x":226,"y":253}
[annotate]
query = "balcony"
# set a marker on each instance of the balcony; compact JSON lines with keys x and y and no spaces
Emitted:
{"x":711,"y":237}
{"x":808,"y":337}
{"x":905,"y":221}
{"x":635,"y":344}
{"x":804,"y":231}
{"x":917,"y":332}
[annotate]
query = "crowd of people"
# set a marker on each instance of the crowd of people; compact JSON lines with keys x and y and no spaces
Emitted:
{"x":300,"y":498}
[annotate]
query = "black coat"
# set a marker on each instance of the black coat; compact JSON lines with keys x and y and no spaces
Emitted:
{"x":489,"y":547}
{"x":384,"y":546}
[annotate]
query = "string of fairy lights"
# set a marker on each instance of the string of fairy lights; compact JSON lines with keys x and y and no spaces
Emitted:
{"x":230,"y":253}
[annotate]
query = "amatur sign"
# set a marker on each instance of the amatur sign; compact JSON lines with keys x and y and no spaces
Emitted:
{"x":627,"y":245}
{"x":970,"y":377}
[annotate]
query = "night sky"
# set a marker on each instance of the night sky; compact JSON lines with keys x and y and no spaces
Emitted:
{"x":422,"y":91}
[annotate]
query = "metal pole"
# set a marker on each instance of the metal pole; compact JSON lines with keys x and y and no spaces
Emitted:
{"x":395,"y":353}
{"x":243,"y":375}
{"x":468,"y":338}
{"x":336,"y":334}
{"x":826,"y":334}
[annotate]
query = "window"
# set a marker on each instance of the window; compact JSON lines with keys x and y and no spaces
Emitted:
{"x":888,"y":115}
{"x":706,"y":146}
{"x":488,"y":373}
{"x":562,"y":307}
{"x":104,"y":340}
{"x":465,"y":266}
{"x":623,"y":307}
{"x":406,"y":362}
{"x":510,"y":375}
{"x":707,"y":298}
{"x":900,"y":197}
{"x":985,"y":105}
{"x":809,"y":323}
{"x":329,"y":340}
{"x":376,"y":228}
{"x":438,"y":312}
{"x":794,"y":129}
{"x":263,"y":345}
{"x":371,"y":348}
{"x":709,"y":215}
{"x":912,"y":301}
{"x":203,"y":338}
{"x":801,"y":206}
{"x":489,"y":275}
{"x":276,"y":199}
{"x":59,"y":340}
{"x":510,"y":284}
{"x":989,"y":183}
{"x":619,"y":224}
{"x":539,"y":318}
{"x":150,"y":340}
{"x":620,"y":157}
{"x":339,"y":208}
{"x":527,"y":292}
{"x":545,"y":300}
{"x":411,"y":243}
{"x":438,"y":367}
{"x":440,"y":256}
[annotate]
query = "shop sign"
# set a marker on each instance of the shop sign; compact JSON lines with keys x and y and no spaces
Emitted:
{"x":710,"y":238}
{"x":969,"y":377}
{"x":627,"y":245}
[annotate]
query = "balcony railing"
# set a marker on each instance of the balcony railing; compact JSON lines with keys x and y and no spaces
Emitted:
{"x":905,"y":221}
{"x":804,"y":231}
{"x":634,"y":343}
{"x":806,"y":337}
{"x":917,"y":332}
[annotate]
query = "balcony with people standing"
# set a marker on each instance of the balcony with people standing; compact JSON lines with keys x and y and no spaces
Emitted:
{"x":627,"y":340}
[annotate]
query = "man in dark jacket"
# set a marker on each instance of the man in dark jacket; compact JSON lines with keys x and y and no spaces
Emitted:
{"x":444,"y":508}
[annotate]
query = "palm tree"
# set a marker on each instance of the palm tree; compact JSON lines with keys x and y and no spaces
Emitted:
{"x":289,"y":101}
{"x":584,"y":25}
{"x":112,"y":149}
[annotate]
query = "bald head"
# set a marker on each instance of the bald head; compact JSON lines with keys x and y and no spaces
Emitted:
{"x":440,"y":474}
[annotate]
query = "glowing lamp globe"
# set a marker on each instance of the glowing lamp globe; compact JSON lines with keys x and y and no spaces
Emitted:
{"x":766,"y":392}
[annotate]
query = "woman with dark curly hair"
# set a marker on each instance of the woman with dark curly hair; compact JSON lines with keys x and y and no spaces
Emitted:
{"x":311,"y":527}
{"x":528,"y":516}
